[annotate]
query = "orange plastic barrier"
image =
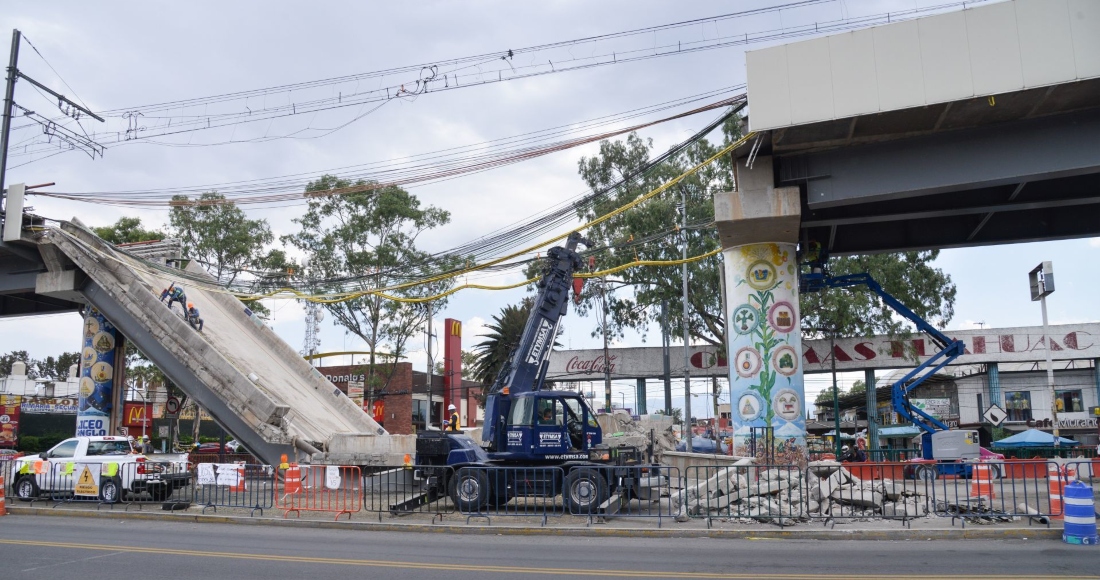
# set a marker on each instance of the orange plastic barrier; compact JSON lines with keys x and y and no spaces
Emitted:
{"x":981,"y":482}
{"x":1057,"y":479}
{"x":3,"y":506}
{"x":321,"y":488}
{"x":292,"y":480}
{"x":240,"y":486}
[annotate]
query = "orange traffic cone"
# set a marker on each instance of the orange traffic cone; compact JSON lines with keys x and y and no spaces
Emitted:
{"x":1055,"y":487}
{"x":3,"y":506}
{"x":240,"y":480}
{"x":981,"y":482}
{"x":293,"y":480}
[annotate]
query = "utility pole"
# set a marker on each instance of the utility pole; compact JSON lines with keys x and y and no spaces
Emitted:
{"x":836,"y":395}
{"x":665,"y":347}
{"x":1041,"y":280}
{"x":606,"y":353}
{"x":428,"y":420}
{"x":687,"y":333}
{"x":9,"y":102}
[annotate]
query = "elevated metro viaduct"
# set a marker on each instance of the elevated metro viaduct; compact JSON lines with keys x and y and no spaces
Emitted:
{"x":968,"y":128}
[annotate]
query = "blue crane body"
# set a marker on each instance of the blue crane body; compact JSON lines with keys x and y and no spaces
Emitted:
{"x":537,"y":442}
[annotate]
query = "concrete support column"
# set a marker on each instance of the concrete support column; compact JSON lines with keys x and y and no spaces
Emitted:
{"x":97,"y":374}
{"x":639,"y":398}
{"x":758,"y":226}
{"x":765,"y":346}
{"x":1096,"y":377}
{"x":872,"y":416}
{"x":994,"y":378}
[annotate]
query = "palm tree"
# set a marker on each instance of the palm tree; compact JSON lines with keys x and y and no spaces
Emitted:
{"x":505,"y":333}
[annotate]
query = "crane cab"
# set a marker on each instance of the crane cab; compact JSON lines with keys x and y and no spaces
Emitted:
{"x":549,"y":425}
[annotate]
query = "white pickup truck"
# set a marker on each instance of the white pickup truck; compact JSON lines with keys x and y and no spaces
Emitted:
{"x":103,"y":467}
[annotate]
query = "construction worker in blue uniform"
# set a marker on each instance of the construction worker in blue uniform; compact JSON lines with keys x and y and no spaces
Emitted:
{"x":193,"y":317}
{"x":174,"y":294}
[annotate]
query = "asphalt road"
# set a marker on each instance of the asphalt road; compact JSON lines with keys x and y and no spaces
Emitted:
{"x":104,"y":548}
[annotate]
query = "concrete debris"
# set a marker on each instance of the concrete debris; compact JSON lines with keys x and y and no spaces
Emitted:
{"x":619,"y":428}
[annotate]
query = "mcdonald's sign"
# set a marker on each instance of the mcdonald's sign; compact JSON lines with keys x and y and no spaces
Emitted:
{"x":135,"y":415}
{"x":454,"y":328}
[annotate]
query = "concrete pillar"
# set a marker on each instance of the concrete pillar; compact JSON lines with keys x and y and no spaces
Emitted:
{"x":872,"y":416}
{"x":994,"y":378}
{"x":1096,"y":377}
{"x":639,"y":398}
{"x":758,"y":227}
{"x":97,"y":373}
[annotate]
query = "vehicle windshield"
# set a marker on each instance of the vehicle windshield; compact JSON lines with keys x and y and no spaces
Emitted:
{"x":521,"y":411}
{"x":119,"y":447}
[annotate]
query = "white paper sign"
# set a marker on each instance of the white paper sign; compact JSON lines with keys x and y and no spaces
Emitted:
{"x":332,"y":477}
{"x":227,"y":474}
{"x":206,"y":474}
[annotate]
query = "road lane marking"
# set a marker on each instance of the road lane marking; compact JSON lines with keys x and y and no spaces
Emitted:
{"x":506,"y":569}
{"x":72,"y":561}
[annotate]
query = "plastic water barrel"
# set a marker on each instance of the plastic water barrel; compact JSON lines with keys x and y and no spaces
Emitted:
{"x":1080,"y":519}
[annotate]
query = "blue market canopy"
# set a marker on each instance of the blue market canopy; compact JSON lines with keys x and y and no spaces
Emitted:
{"x":1032,"y":438}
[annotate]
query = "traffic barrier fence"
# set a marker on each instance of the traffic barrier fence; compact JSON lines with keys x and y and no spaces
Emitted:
{"x":629,"y":491}
{"x":320,"y":488}
{"x":860,"y":491}
{"x":234,"y":485}
{"x":402,"y":490}
{"x":991,"y":491}
{"x":486,"y":492}
{"x":103,"y":483}
{"x":773,"y":493}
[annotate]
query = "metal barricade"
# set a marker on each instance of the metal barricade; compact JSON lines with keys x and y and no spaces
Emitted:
{"x":994,"y":491}
{"x":234,"y":485}
{"x":319,"y":488}
{"x":170,"y":484}
{"x":629,"y":491}
{"x":404,"y":490}
{"x":767,"y":493}
{"x":484,"y":492}
{"x":838,"y":492}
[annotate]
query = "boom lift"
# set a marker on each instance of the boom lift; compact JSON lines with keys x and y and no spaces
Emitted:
{"x":528,"y":426}
{"x":938,"y":442}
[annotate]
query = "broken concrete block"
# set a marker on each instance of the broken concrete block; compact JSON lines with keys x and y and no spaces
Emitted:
{"x":768,"y":487}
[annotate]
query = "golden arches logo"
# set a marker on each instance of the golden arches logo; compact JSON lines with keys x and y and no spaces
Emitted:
{"x":456,"y":328}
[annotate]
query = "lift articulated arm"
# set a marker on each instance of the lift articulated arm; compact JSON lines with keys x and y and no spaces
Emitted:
{"x":950,"y":349}
{"x":525,"y":369}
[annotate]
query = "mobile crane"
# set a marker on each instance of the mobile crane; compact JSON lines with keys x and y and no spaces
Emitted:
{"x":529,"y":426}
{"x":943,"y":449}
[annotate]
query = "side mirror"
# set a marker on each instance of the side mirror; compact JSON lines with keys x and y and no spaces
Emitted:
{"x":42,"y":455}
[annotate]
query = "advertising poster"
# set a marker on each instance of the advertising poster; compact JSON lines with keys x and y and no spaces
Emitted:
{"x":9,"y":421}
{"x":97,"y":371}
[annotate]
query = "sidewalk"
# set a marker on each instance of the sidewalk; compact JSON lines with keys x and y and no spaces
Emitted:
{"x":925,"y":528}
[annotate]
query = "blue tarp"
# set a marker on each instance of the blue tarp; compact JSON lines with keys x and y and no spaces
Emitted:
{"x":702,"y":445}
{"x":1032,"y":438}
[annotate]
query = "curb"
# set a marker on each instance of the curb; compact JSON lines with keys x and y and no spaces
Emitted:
{"x":488,"y":530}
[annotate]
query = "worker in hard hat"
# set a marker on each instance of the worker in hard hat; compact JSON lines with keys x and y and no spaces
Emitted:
{"x":146,"y":447}
{"x":174,"y":294}
{"x":452,"y":423}
{"x":193,"y":317}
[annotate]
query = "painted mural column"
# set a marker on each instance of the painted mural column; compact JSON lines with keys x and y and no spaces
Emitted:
{"x":758,"y":225}
{"x":767,"y":393}
{"x":97,"y":373}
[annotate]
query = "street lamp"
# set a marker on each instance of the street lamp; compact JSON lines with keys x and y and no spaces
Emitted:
{"x":623,"y":395}
{"x":1041,"y":279}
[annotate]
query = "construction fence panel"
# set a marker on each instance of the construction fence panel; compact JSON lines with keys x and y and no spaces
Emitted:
{"x":402,"y":490}
{"x":837,"y":492}
{"x":166,"y":483}
{"x":486,"y":492}
{"x":319,"y":488}
{"x":234,"y":485}
{"x":768,"y":493}
{"x":629,"y":491}
{"x":101,"y":482}
{"x":989,"y":492}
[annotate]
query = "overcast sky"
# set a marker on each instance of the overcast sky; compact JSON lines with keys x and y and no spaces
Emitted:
{"x":133,"y":54}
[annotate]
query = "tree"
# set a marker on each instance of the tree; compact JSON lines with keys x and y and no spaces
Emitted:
{"x":469,"y":361}
{"x":858,"y":387}
{"x":505,"y":332}
{"x":127,"y":230}
{"x":620,"y":238}
{"x":219,"y":236}
{"x":368,"y":240}
{"x":57,"y":369}
{"x":677,"y":415}
{"x":7,"y":360}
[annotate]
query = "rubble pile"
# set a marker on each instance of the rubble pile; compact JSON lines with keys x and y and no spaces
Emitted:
{"x":746,"y":493}
{"x":619,"y":428}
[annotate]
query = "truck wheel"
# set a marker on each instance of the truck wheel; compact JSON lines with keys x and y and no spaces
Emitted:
{"x":585,"y":490}
{"x":926,"y":473}
{"x":470,"y":490}
{"x":110,"y":491}
{"x":160,"y":492}
{"x":26,"y":489}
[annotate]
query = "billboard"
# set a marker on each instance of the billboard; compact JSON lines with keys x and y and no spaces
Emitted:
{"x":9,"y":421}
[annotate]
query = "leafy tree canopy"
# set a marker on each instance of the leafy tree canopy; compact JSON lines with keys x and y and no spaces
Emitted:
{"x":221,"y":237}
{"x":128,"y":230}
{"x":371,"y":236}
